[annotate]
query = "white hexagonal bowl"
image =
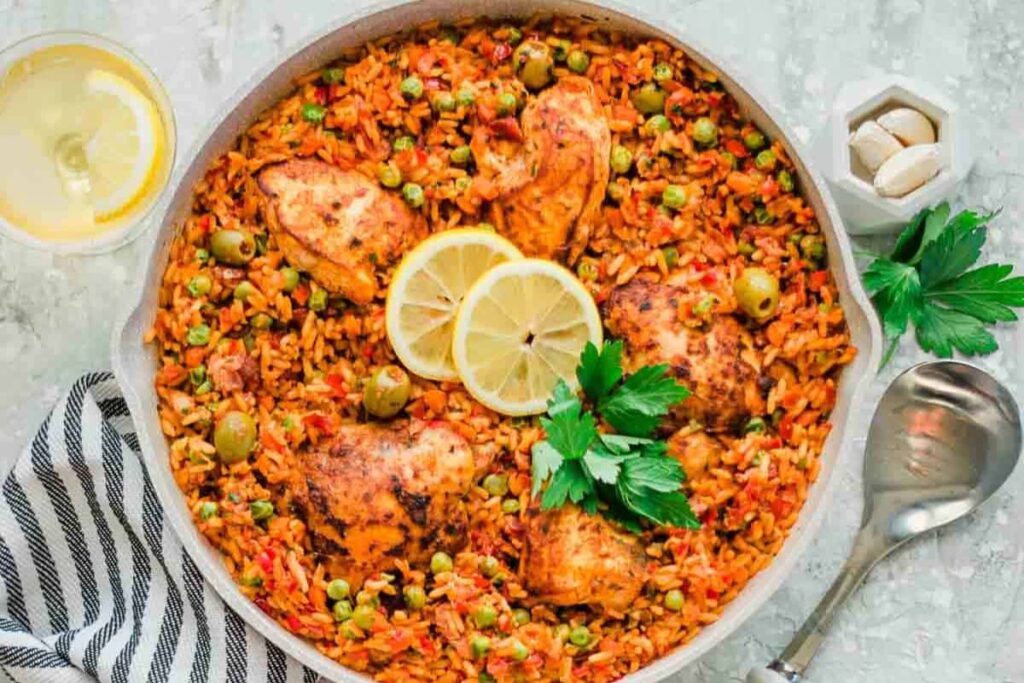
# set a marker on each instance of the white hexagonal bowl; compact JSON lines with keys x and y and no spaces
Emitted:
{"x":864,"y":211}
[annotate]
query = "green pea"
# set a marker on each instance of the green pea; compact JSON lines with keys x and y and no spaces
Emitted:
{"x":762,"y":216}
{"x":441,"y":562}
{"x":415,"y":597}
{"x":674,"y":600}
{"x":197,"y":375}
{"x":403,"y":143}
{"x":411,"y":88}
{"x":496,"y":484}
{"x":507,"y":104}
{"x":671,"y":255}
{"x":513,"y":35}
{"x":348,"y":631}
{"x":252,"y":581}
{"x":562,"y":47}
{"x":731,"y":158}
{"x":616,"y":192}
{"x":519,"y":651}
{"x":200,"y":285}
{"x":333,"y":75}
{"x":313,"y":112}
{"x":754,"y":140}
{"x":413,"y":195}
{"x":232,"y":247}
{"x":261,"y":321}
{"x":785,"y":180}
{"x":489,"y":566}
{"x":389,"y":175}
{"x":662,"y":72}
{"x":461,"y":154}
{"x":765,"y":160}
{"x":755,"y":425}
{"x":812,"y":247}
{"x":291,"y":278}
{"x":705,"y":132}
{"x":705,"y":305}
{"x":578,"y":61}
{"x":202,"y":255}
{"x":746,"y":248}
{"x":244,"y":290}
{"x":462,"y":184}
{"x":204,"y":388}
{"x":485,"y":616}
{"x":364,"y":616}
{"x":338,"y":589}
{"x":367,"y":598}
{"x":479,"y":646}
{"x":561,"y":633}
{"x":342,"y":610}
{"x":648,"y":98}
{"x":261,"y":509}
{"x":579,"y":636}
{"x":444,"y":102}
{"x":199,"y":335}
{"x":621,"y":159}
{"x":521,"y":616}
{"x":207,"y":510}
{"x":510,"y":506}
{"x":587,"y":270}
{"x":465,"y":97}
{"x":317,"y":300}
{"x":658,"y":123}
{"x":674,"y":197}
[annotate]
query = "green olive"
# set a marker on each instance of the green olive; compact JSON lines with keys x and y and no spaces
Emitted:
{"x":532,"y":62}
{"x":387,"y":391}
{"x":757,"y":293}
{"x":648,"y":99}
{"x":234,"y":437}
{"x":233,"y":247}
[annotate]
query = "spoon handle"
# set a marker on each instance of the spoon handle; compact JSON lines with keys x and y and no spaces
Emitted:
{"x":868,"y":549}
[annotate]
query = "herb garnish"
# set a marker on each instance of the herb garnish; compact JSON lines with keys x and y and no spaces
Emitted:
{"x":626,"y":475}
{"x":925,"y":281}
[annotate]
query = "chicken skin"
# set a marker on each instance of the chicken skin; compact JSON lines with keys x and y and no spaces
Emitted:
{"x":552,"y":185}
{"x":337,"y":225}
{"x":709,"y":362}
{"x":695,"y":451}
{"x":572,"y":558}
{"x":377,"y":493}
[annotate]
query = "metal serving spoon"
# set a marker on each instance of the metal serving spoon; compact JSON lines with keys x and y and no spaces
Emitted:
{"x":945,"y":436}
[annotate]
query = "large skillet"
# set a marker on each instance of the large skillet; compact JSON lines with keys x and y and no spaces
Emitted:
{"x":135,"y":363}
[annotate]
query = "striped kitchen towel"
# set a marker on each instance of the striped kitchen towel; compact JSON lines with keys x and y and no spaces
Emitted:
{"x":93,"y":583}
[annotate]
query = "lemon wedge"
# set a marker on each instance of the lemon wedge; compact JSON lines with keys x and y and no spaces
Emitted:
{"x":125,"y":144}
{"x":520,"y":329}
{"x":426,"y":291}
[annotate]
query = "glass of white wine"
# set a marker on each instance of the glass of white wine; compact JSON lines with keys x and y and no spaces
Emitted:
{"x":87,"y":142}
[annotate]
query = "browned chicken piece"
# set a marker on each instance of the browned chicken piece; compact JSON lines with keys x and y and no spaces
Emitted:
{"x":552,"y":185}
{"x":572,"y":558}
{"x":695,"y":451}
{"x":337,"y":225}
{"x":377,"y":493}
{"x":724,"y":387}
{"x":233,"y":372}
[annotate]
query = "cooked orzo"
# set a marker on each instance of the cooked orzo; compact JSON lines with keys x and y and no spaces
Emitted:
{"x":388,"y":518}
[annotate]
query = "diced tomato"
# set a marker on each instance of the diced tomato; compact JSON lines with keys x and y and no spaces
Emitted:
{"x":769,"y":189}
{"x":301,"y":294}
{"x":320,"y":95}
{"x":485,"y":112}
{"x":194,"y":356}
{"x":507,"y":128}
{"x":736,"y":148}
{"x":676,"y":104}
{"x":501,"y":52}
{"x":426,"y":62}
{"x":786,"y":427}
{"x":426,"y":645}
{"x":819,"y":279}
{"x":263,"y":605}
{"x":293,"y":623}
{"x":712,"y":594}
{"x":337,"y":383}
{"x":266,"y":561}
{"x":268,"y":440}
{"x":319,"y":422}
{"x":709,"y":278}
{"x":171,"y":375}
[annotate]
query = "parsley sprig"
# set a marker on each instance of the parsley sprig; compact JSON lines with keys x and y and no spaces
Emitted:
{"x":926,"y":281}
{"x":626,"y":475}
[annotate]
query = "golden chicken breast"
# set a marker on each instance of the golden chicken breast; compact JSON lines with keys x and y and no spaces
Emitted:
{"x":695,"y":451}
{"x":377,"y":493}
{"x":340,"y":226}
{"x":709,"y":362}
{"x":552,"y":185}
{"x":572,"y":558}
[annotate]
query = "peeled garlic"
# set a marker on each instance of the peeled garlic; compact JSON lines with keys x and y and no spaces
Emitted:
{"x":907,"y":170}
{"x":873,"y":145}
{"x":910,"y":126}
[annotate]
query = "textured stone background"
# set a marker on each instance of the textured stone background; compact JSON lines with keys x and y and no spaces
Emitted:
{"x":949,"y":608}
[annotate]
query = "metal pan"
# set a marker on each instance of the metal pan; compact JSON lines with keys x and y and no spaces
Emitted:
{"x":135,"y":362}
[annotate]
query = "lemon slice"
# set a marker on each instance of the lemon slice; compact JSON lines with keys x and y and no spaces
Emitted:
{"x":125,"y":143}
{"x":520,"y":329}
{"x":427,"y":289}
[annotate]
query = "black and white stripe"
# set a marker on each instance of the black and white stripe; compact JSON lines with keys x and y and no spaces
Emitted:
{"x":93,"y":584}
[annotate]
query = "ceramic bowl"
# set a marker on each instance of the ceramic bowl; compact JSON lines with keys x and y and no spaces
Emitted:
{"x":135,"y":362}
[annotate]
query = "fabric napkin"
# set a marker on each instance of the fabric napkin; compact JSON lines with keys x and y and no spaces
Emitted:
{"x":93,"y":583}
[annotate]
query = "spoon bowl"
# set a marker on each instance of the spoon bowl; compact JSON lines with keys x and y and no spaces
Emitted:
{"x":944,"y":438}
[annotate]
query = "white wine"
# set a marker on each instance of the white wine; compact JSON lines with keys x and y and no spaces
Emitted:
{"x":84,"y":148}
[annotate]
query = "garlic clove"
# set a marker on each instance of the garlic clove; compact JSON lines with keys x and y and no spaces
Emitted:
{"x":873,"y":145}
{"x":907,"y":170}
{"x":910,"y":126}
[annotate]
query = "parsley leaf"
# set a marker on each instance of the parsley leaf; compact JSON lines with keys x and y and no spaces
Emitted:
{"x":925,"y":281}
{"x":636,"y":408}
{"x":544,"y":460}
{"x":600,"y":371}
{"x":568,"y":431}
{"x":602,"y":467}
